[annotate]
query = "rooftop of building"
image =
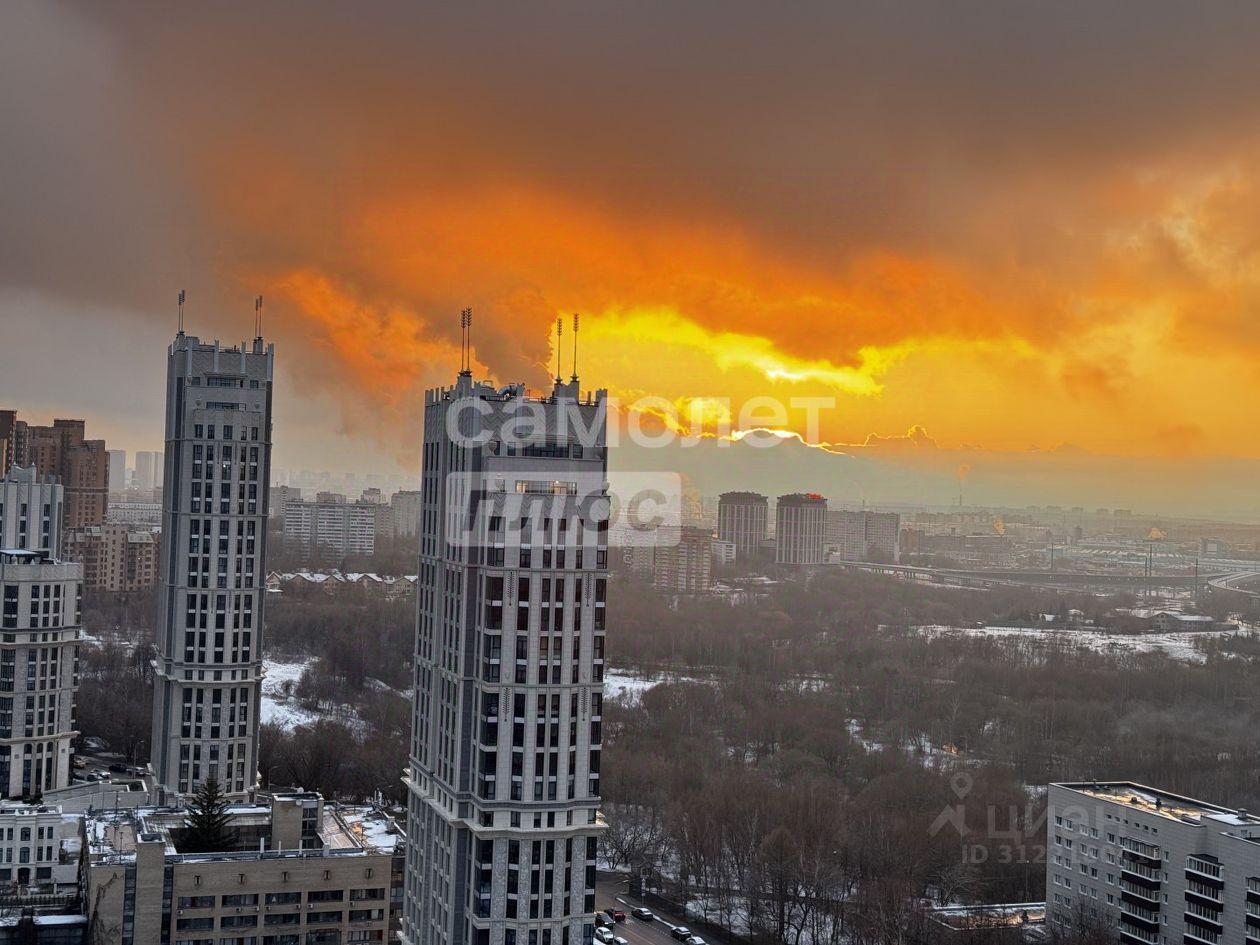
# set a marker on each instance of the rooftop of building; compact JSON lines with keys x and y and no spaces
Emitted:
{"x":1162,"y":803}
{"x":344,"y":829}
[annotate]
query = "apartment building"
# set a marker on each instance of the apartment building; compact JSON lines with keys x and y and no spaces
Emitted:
{"x":406,"y":505}
{"x":30,"y":511}
{"x":115,"y":557}
{"x":742,"y":520}
{"x":861,"y":535}
{"x":683,"y":563}
{"x":39,"y":848}
{"x":800,"y":529}
{"x":1157,"y":868}
{"x":208,"y":672}
{"x":40,"y":607}
{"x":62,"y":451}
{"x":303,"y":873}
{"x":327,"y":530}
{"x":504,"y":774}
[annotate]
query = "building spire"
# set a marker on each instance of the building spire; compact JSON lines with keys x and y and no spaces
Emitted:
{"x":258,"y":302}
{"x":181,"y":311}
{"x":574,"y":378}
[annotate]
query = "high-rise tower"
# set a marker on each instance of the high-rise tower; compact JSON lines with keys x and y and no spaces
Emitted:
{"x":40,"y":629}
{"x":214,"y":535}
{"x":503,"y":781}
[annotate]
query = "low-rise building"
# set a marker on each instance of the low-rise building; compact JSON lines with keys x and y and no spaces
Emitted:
{"x":302,"y":873}
{"x":1151,"y":866}
{"x":39,"y":849}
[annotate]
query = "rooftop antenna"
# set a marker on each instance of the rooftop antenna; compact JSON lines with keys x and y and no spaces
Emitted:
{"x":465,"y":342}
{"x":258,"y":318}
{"x":575,"y":334}
{"x":559,"y":332}
{"x":181,"y":311}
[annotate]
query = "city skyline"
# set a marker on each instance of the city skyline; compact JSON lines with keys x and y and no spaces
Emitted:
{"x":1090,"y":288}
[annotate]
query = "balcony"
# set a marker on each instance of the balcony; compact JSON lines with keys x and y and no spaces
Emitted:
{"x":1203,"y":867}
{"x":1196,"y":934}
{"x":1139,"y":892}
{"x":1141,"y":869}
{"x":1134,"y":934}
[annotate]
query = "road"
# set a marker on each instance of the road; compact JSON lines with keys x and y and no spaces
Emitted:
{"x":612,"y":893}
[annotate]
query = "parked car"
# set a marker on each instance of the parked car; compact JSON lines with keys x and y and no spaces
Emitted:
{"x":120,"y":769}
{"x":603,"y":935}
{"x":696,"y":940}
{"x":680,"y":932}
{"x":644,"y":914}
{"x":618,"y":940}
{"x":615,"y":914}
{"x":100,"y":774}
{"x":80,"y":762}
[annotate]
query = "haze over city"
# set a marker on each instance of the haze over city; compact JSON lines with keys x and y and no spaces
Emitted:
{"x":1023,"y":244}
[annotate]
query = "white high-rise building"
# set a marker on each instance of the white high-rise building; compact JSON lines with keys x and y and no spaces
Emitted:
{"x":214,"y":532}
{"x":117,"y":471}
{"x":503,"y":780}
{"x":800,"y":527}
{"x":40,"y":607}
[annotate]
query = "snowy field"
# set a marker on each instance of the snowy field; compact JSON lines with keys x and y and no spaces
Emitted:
{"x":1179,"y":646}
{"x":276,"y":706}
{"x":624,"y":685}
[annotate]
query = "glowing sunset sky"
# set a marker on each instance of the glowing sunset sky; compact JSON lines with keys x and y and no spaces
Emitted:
{"x":1014,"y":226}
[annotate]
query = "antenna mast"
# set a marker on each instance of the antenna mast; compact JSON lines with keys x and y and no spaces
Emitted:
{"x":575,"y":334}
{"x":465,"y":341}
{"x":181,"y":311}
{"x":559,"y":332}
{"x":258,"y":318}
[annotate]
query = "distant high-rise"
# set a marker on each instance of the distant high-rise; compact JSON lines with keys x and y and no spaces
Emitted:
{"x":742,"y":520}
{"x":148,"y":474}
{"x":504,"y":774}
{"x":61,"y":450}
{"x":800,"y":527}
{"x":117,"y":471}
{"x":214,"y":534}
{"x":861,"y":535}
{"x":683,"y":563}
{"x":39,"y":635}
{"x":406,"y":506}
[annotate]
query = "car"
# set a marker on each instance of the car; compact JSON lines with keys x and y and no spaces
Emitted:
{"x":680,"y":932}
{"x":696,"y":940}
{"x":80,"y":762}
{"x":601,"y":920}
{"x":618,"y":940}
{"x":120,"y":769}
{"x":644,"y":914}
{"x":603,"y":935}
{"x":100,"y":774}
{"x":615,"y":914}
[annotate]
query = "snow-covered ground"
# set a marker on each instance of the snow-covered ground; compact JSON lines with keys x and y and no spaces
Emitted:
{"x":1179,"y":646}
{"x":625,"y":685}
{"x":277,"y":707}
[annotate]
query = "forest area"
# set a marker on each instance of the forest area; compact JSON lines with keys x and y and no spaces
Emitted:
{"x":808,"y":766}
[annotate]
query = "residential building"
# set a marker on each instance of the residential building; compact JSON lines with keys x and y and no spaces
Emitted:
{"x":8,"y":439}
{"x":116,"y":558}
{"x":117,"y":476}
{"x":323,"y":530}
{"x":281,"y":496}
{"x":39,"y":848}
{"x":79,"y":464}
{"x":800,"y":529}
{"x":148,"y":471}
{"x":303,"y":873}
{"x":208,"y":671}
{"x":861,"y":535}
{"x":30,"y":511}
{"x":135,"y":513}
{"x":742,"y":520}
{"x":723,"y":552}
{"x":684,"y":559}
{"x":1154,"y":867}
{"x":503,"y":780}
{"x":406,"y":505}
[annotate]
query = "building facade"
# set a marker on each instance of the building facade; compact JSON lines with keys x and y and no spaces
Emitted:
{"x":503,"y":780}
{"x":208,"y":678}
{"x":116,"y":558}
{"x":79,"y":464}
{"x":117,"y":476}
{"x":800,"y":529}
{"x":742,"y":520}
{"x":683,"y":563}
{"x":303,"y":873}
{"x":406,"y":505}
{"x":40,"y":608}
{"x":859,"y":535}
{"x":39,"y":847}
{"x":1151,"y":867}
{"x":329,"y":530}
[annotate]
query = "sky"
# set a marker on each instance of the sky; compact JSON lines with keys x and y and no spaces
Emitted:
{"x":990,"y":232}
